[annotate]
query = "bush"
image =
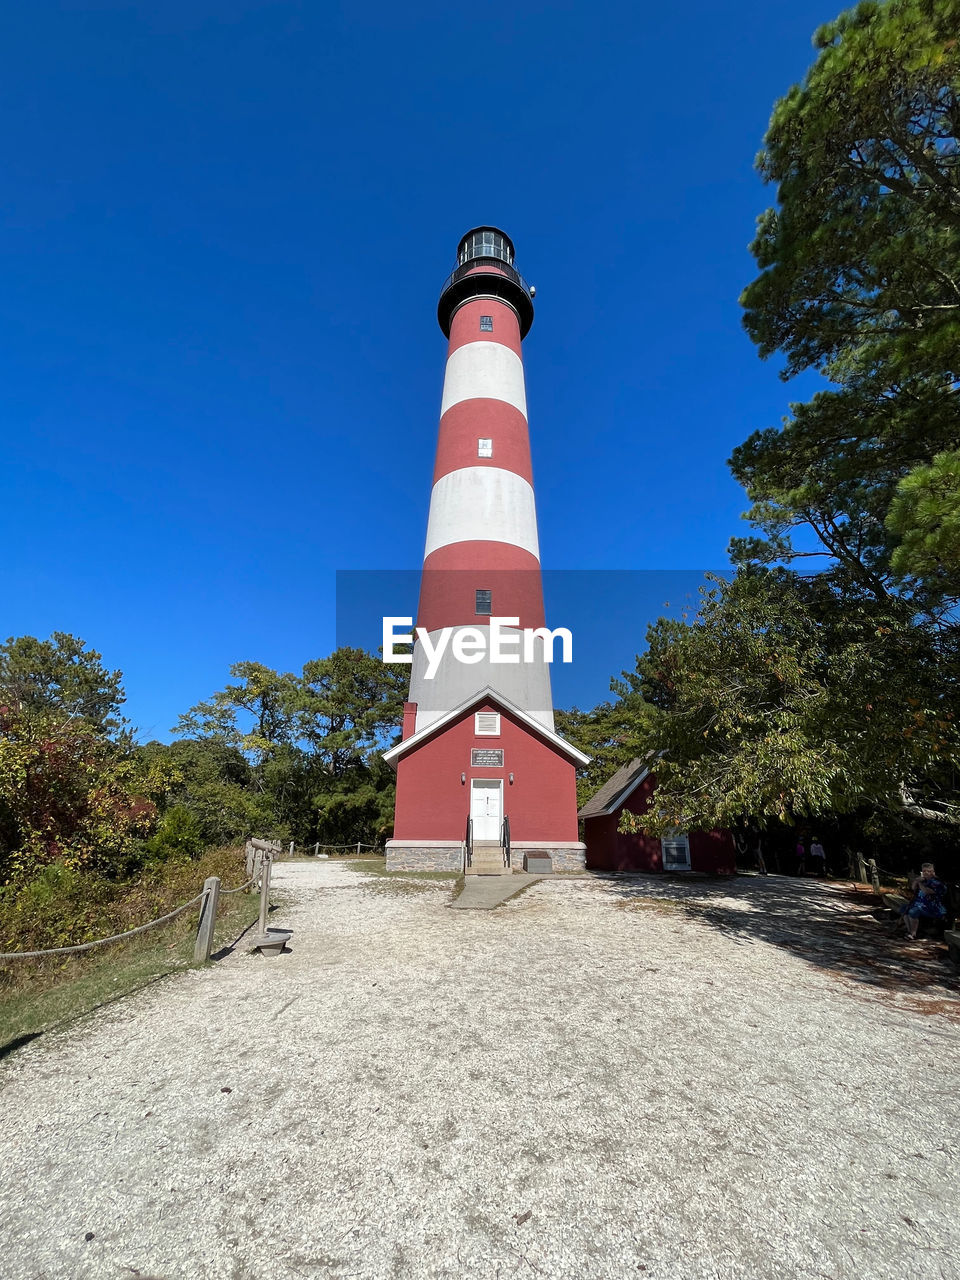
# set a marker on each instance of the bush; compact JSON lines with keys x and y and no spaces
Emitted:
{"x":62,"y":906}
{"x":179,"y":836}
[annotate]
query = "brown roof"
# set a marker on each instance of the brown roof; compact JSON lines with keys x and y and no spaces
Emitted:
{"x":617,"y":788}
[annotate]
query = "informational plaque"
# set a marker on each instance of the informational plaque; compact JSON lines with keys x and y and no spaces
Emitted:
{"x":486,"y":758}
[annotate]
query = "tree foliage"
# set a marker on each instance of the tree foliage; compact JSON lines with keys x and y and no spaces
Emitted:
{"x":61,"y":676}
{"x":860,"y":279}
{"x":785,"y":701}
{"x":311,"y":743}
{"x":69,"y":795}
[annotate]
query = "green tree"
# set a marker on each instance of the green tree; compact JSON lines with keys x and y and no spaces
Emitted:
{"x":612,"y":734}
{"x":785,"y":700}
{"x":926,"y":515}
{"x":860,"y":279}
{"x":351,"y":708}
{"x":312,"y":743}
{"x":258,"y":715}
{"x":61,"y":676}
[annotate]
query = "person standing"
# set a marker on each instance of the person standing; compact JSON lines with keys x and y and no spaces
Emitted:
{"x":818,"y":857}
{"x":801,"y":858}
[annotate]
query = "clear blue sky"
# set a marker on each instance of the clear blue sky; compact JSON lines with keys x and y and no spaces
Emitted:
{"x":224,"y":231}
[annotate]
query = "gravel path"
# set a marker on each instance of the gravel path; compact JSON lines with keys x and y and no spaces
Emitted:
{"x":602,"y":1078}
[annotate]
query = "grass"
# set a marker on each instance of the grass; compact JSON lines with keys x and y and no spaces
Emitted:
{"x":398,"y":883}
{"x":40,"y":995}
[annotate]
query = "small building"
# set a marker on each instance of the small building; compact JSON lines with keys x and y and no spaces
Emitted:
{"x":632,"y":789}
{"x":490,"y":761}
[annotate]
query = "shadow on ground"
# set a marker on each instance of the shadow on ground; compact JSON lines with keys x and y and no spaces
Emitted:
{"x":837,"y":926}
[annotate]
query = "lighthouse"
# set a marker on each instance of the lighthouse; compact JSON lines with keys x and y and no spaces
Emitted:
{"x":484,"y":783}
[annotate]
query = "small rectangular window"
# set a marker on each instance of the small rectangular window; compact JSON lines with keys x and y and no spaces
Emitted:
{"x":487,"y":724}
{"x":484,"y":602}
{"x":484,"y":448}
{"x":486,"y":324}
{"x":676,"y":852}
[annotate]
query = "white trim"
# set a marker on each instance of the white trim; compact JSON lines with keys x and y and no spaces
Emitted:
{"x":424,"y":844}
{"x":484,"y":370}
{"x":482,"y":504}
{"x":485,"y":695}
{"x":546,"y":844}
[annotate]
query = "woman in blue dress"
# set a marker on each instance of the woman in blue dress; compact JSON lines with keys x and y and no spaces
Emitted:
{"x":927,"y":902}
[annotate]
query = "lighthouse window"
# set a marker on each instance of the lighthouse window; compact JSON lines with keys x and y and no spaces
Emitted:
{"x":484,"y":602}
{"x":486,"y":324}
{"x":487,"y":724}
{"x":484,"y":448}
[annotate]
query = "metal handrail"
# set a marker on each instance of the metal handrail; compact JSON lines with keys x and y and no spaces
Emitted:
{"x":468,"y":844}
{"x":505,"y":839}
{"x":503,"y":268}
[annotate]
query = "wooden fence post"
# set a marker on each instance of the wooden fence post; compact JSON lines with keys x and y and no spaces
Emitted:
{"x":358,"y":848}
{"x":874,"y":875}
{"x":264,"y":892}
{"x":208,"y":919}
{"x":291,"y":848}
{"x":861,"y":869}
{"x":316,"y":848}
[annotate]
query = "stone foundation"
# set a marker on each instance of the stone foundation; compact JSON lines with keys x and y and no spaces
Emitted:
{"x":565,"y":857}
{"x":412,"y":855}
{"x":447,"y":855}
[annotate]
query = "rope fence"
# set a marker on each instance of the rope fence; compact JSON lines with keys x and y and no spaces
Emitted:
{"x":102,"y":942}
{"x":259,"y":854}
{"x":320,"y":850}
{"x":240,"y":887}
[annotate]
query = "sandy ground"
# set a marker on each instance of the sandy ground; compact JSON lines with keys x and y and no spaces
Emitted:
{"x":602,"y":1078}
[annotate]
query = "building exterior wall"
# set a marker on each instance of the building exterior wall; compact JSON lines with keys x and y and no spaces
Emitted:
{"x":433,"y":804}
{"x":711,"y":852}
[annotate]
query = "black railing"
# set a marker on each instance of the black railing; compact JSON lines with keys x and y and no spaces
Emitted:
{"x":468,"y":844}
{"x":505,"y":839}
{"x":499,"y":268}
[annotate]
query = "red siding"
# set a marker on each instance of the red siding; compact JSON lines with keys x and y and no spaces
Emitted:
{"x":608,"y":849}
{"x":480,"y":417}
{"x":448,"y":596}
{"x":465,"y":325}
{"x":432,"y":803}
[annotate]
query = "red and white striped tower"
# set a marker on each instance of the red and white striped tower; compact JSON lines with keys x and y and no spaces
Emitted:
{"x":482,"y":528}
{"x":478,"y":736}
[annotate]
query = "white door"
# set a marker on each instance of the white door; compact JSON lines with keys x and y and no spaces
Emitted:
{"x":486,"y":808}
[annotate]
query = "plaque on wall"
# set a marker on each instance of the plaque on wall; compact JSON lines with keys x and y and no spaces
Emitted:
{"x":486,"y":757}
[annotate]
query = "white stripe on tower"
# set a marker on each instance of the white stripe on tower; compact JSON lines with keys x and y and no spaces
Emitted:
{"x":484,"y":370}
{"x":482,"y":504}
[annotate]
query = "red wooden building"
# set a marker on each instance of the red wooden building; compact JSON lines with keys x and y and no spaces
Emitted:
{"x":632,"y":789}
{"x":486,"y":759}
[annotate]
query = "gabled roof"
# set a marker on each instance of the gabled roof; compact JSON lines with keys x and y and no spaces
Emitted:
{"x":485,"y":695}
{"x":616,"y":789}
